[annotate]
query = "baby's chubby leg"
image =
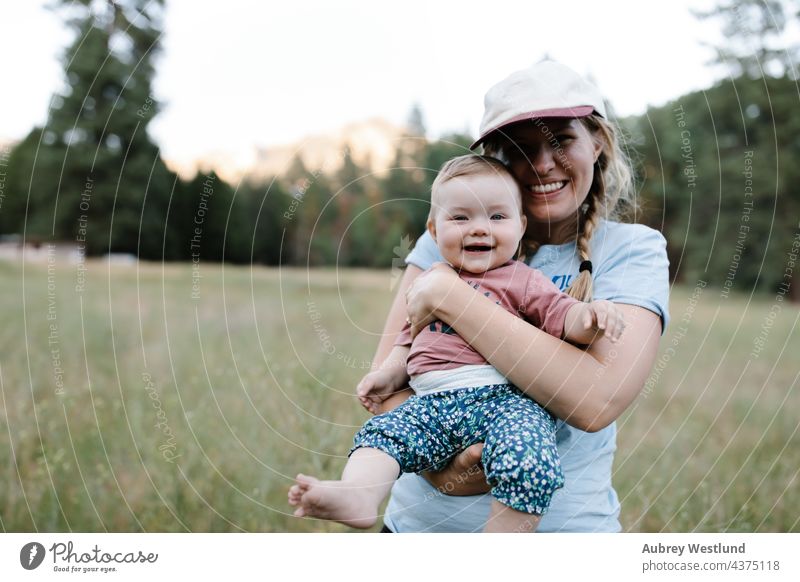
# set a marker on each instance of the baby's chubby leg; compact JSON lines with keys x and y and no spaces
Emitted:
{"x":354,"y":500}
{"x":521,"y":461}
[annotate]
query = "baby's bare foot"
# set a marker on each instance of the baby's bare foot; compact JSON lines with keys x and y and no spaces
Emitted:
{"x":334,"y":500}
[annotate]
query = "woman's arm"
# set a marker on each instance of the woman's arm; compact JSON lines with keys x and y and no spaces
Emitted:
{"x":395,"y":322}
{"x":588,"y":389}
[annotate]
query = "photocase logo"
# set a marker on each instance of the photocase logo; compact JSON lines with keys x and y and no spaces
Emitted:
{"x":31,"y":555}
{"x":399,"y":260}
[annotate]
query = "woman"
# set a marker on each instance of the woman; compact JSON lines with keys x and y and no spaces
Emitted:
{"x":548,"y":124}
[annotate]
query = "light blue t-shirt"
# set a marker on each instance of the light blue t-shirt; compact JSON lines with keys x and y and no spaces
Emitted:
{"x":629,"y":266}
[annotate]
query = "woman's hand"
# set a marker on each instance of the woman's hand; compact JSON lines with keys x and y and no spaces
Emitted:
{"x":427,"y":293}
{"x":463,"y":476}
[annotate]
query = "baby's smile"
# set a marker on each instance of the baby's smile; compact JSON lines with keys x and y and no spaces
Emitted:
{"x":478,"y":248}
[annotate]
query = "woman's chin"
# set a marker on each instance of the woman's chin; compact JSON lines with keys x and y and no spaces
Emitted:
{"x":553,"y":228}
{"x":552,"y":211}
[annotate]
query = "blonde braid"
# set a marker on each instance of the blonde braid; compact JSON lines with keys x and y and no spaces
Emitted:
{"x":582,"y":288}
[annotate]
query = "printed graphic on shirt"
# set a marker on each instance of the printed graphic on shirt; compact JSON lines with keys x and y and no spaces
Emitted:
{"x":477,"y":285}
{"x":441,"y":327}
{"x":562,"y":281}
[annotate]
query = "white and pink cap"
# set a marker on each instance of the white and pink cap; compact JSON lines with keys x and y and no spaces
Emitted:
{"x":546,"y":89}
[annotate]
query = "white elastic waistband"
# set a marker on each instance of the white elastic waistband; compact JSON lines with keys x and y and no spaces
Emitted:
{"x":473,"y":376}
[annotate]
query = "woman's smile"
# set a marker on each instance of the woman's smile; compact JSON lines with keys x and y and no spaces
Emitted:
{"x":549,"y":190}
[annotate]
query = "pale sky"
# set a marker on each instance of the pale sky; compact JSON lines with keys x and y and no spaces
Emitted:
{"x":266,"y":73}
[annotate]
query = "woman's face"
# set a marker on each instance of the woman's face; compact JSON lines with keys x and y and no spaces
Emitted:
{"x":553,"y":159}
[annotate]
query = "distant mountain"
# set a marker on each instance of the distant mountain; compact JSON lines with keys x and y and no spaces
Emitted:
{"x":6,"y":145}
{"x":372,"y":145}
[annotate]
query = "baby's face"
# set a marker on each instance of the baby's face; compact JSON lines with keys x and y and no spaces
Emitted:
{"x":478,"y":221}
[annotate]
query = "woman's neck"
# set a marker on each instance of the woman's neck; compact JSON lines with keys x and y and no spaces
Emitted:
{"x":548,"y":233}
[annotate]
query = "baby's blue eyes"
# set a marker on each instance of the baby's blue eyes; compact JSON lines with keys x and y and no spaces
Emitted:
{"x":493,"y":217}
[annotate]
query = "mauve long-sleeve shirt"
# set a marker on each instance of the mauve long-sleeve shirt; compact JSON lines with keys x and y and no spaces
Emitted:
{"x":515,"y":286}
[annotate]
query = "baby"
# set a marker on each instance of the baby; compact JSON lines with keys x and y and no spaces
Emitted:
{"x":477,"y":222}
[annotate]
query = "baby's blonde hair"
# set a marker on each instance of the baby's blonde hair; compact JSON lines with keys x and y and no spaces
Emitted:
{"x":468,"y":165}
{"x":611,"y":196}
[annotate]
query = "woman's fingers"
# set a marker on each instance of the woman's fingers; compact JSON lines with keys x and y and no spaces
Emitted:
{"x":418,"y":326}
{"x":471,"y":457}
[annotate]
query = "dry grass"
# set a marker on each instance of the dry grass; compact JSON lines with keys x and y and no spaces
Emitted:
{"x":254,"y":381}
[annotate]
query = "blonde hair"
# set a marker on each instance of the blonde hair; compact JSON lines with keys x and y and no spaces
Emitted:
{"x":468,"y":165}
{"x":611,"y":195}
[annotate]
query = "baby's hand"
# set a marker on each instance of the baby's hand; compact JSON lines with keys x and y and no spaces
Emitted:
{"x":376,"y":387}
{"x":603,"y":317}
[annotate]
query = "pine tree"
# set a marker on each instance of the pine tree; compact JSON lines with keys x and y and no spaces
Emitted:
{"x":271,"y":226}
{"x":719,"y":182}
{"x":755,"y":37}
{"x":98,"y":176}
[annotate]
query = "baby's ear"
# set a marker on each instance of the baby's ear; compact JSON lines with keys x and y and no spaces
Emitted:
{"x":431,"y":226}
{"x":524,"y":223}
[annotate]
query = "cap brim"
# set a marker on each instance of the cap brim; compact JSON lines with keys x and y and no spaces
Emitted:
{"x":580,"y":111}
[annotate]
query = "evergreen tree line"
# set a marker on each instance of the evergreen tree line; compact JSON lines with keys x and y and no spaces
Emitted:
{"x":718,"y":176}
{"x":132,"y":203}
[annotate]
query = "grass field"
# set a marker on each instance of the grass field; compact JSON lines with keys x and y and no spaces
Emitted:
{"x":171,"y":399}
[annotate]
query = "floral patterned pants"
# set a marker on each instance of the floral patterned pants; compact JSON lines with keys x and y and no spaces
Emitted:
{"x":519,"y":455}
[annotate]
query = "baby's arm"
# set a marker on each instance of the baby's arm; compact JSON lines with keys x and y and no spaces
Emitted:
{"x":390,"y":378}
{"x":586,"y":322}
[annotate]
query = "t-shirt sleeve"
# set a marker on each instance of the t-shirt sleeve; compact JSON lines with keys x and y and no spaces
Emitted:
{"x":425,"y":253}
{"x":545,"y":305}
{"x":404,"y":337}
{"x":637,"y":272}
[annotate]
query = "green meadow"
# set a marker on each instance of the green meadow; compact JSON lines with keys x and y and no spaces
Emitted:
{"x":173,"y":398}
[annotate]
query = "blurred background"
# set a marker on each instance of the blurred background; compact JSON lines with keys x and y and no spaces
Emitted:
{"x":204,"y":211}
